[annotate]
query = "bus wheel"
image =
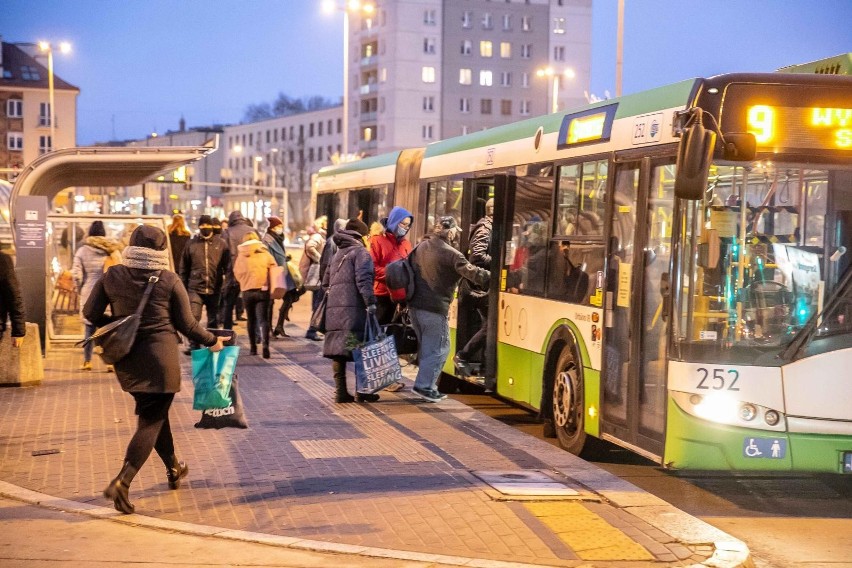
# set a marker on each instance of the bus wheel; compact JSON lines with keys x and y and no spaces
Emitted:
{"x":568,"y":407}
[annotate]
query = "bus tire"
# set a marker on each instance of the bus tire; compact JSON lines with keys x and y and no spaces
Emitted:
{"x":568,"y":401}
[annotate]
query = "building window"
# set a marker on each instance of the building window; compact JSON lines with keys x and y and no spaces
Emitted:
{"x":505,"y":50}
{"x":268,"y":137}
{"x":525,"y":80}
{"x":30,"y":73}
{"x":319,"y":128}
{"x":310,"y":154}
{"x":526,"y":51}
{"x":311,"y":130}
{"x":507,"y":22}
{"x":429,"y":103}
{"x":487,"y":22}
{"x":15,"y":108}
{"x":319,"y":154}
{"x":383,"y":74}
{"x":339,"y":125}
{"x":525,"y":108}
{"x":330,"y":123}
{"x":44,"y":114}
{"x":485,"y":106}
{"x":467,"y":19}
{"x":427,"y":132}
{"x":526,"y":23}
{"x":44,"y":144}
{"x":559,"y":53}
{"x":506,"y":107}
{"x":465,"y":76}
{"x":367,"y":135}
{"x":15,"y":141}
{"x":464,"y":104}
{"x":485,"y":49}
{"x":559,"y":25}
{"x":430,"y":17}
{"x":486,"y":78}
{"x":428,"y":74}
{"x":505,"y":78}
{"x":429,"y":45}
{"x":466,"y":47}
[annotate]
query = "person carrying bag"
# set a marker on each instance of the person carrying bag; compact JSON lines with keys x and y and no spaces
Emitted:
{"x":376,"y":360}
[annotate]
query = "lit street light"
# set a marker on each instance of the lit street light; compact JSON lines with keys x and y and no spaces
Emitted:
{"x":46,"y":47}
{"x":347,"y":7}
{"x":551,"y":73}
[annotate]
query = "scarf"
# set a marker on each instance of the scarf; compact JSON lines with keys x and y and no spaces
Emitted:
{"x":146,"y":259}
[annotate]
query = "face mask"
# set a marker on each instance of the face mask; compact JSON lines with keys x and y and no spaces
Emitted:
{"x":401,"y":231}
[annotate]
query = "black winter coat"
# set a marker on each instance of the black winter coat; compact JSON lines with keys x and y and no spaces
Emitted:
{"x":348,"y":283}
{"x":11,"y":301}
{"x":153,"y":363}
{"x":438,"y":267}
{"x":204,"y":264}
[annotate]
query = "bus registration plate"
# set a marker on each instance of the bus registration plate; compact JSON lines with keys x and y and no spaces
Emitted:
{"x":847,"y":462}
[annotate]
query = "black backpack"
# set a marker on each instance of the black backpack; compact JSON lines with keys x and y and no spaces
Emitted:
{"x":399,"y":275}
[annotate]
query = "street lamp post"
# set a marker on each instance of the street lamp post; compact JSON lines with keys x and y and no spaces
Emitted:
{"x":47,"y":48}
{"x":551,"y":73}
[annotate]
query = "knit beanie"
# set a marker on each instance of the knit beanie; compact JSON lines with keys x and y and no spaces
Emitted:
{"x":148,"y":237}
{"x":358,"y":225}
{"x":274,"y":222}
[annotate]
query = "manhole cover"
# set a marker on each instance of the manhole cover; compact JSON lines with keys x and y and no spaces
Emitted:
{"x":530,"y":483}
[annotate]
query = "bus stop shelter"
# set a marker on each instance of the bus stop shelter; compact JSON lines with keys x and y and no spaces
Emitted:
{"x":44,"y":178}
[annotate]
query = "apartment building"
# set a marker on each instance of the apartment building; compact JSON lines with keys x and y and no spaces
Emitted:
{"x":25,"y":129}
{"x":425,"y":70}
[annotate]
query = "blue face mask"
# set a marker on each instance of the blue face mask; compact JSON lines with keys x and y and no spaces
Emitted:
{"x":401,"y":231}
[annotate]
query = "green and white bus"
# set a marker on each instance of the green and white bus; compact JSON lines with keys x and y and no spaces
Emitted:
{"x":669,"y":268}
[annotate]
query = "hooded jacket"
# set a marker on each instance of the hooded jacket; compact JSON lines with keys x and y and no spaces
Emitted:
{"x":251,"y":269}
{"x":388,"y":247}
{"x":88,"y":265}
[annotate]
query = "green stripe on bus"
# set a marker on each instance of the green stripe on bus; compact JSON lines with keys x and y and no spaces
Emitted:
{"x":358,"y":165}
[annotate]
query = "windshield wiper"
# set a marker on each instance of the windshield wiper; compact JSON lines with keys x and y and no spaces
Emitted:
{"x":803,"y":337}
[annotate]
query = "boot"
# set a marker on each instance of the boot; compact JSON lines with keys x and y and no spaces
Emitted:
{"x":341,"y":392}
{"x":279,"y":332}
{"x":361,"y":397}
{"x":119,"y":488}
{"x":253,"y":349}
{"x":177,"y":471}
{"x":266,"y":353}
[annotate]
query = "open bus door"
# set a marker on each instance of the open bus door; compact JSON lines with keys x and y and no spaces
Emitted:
{"x":469,"y":311}
{"x":636,"y":303}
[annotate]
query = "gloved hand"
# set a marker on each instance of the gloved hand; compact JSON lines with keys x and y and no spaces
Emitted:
{"x":371,"y":309}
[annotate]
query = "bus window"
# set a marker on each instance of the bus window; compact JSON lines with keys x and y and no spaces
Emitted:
{"x":573,"y":269}
{"x":580,"y":199}
{"x":527,"y":270}
{"x":443,"y":198}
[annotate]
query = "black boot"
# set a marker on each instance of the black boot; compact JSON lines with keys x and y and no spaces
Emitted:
{"x":279,"y":332}
{"x":341,"y":392}
{"x":266,"y":353}
{"x":361,"y":397}
{"x":175,"y":472}
{"x":119,"y":488}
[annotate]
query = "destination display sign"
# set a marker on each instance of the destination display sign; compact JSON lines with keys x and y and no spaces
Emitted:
{"x":586,"y":127}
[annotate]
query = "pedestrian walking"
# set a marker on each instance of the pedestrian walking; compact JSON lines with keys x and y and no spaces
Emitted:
{"x":251,"y":269}
{"x":348,"y":281}
{"x":203,"y":266}
{"x":438,"y":267}
{"x":150,"y":372}
{"x":237,"y":228}
{"x":11,"y":302}
{"x":274,"y":242}
{"x":91,"y":260}
{"x":309,"y":267}
{"x":217,"y":226}
{"x":179,"y":235}
{"x":480,"y":241}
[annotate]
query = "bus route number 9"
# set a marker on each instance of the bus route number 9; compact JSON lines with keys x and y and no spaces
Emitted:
{"x":718,"y":379}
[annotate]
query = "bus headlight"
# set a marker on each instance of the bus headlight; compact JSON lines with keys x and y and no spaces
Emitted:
{"x":748,"y":412}
{"x":771,"y":417}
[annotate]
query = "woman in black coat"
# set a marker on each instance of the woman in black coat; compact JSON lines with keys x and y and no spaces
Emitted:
{"x":348,"y":281}
{"x":151,"y":371}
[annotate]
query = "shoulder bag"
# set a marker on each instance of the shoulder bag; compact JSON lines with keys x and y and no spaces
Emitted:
{"x":114,"y":341}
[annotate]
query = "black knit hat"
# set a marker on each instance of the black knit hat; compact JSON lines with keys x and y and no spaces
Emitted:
{"x":96,"y":229}
{"x":148,"y":237}
{"x":358,"y":225}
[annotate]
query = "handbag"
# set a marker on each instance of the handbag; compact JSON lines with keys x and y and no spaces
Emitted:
{"x":114,"y":341}
{"x":232,"y":416}
{"x":318,"y":317}
{"x":312,"y":278}
{"x":402,"y":331}
{"x":277,"y":282}
{"x":376,"y":361}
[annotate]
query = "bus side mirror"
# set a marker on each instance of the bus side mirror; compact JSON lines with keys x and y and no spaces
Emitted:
{"x":693,"y":161}
{"x":740,"y":146}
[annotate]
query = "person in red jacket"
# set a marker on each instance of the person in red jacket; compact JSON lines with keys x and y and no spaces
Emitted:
{"x":389,"y":246}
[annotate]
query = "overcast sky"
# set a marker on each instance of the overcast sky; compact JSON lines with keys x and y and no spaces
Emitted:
{"x":142,"y":64}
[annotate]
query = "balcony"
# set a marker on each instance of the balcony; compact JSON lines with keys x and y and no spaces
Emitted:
{"x":371,"y":61}
{"x":368,"y":89}
{"x":367,"y":145}
{"x":369,"y":116}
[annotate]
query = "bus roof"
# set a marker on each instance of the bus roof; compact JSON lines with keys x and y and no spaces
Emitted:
{"x":837,"y":65}
{"x":371,"y":171}
{"x":370,"y":162}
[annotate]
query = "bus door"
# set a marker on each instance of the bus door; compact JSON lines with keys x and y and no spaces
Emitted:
{"x":471,"y":304}
{"x":636,"y":319}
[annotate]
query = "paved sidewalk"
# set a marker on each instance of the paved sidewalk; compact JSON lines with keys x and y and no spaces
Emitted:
{"x":402,"y":478}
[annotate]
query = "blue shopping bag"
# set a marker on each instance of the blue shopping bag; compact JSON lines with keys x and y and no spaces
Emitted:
{"x":376,"y":360}
{"x":212,"y":374}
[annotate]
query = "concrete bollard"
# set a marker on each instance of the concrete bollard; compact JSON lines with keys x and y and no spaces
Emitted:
{"x":22,"y":366}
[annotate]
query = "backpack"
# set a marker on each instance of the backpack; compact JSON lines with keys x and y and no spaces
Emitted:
{"x":399,"y":275}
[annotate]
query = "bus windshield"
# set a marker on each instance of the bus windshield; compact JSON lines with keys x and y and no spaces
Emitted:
{"x":760,"y":254}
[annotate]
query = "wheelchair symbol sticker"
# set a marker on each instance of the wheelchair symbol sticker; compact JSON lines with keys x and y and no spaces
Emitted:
{"x":769,"y":448}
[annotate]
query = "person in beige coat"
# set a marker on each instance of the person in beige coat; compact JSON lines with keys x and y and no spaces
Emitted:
{"x":251,"y":270}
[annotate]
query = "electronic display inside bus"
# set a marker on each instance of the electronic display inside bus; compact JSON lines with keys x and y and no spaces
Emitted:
{"x":786,"y":117}
{"x":587,"y":127}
